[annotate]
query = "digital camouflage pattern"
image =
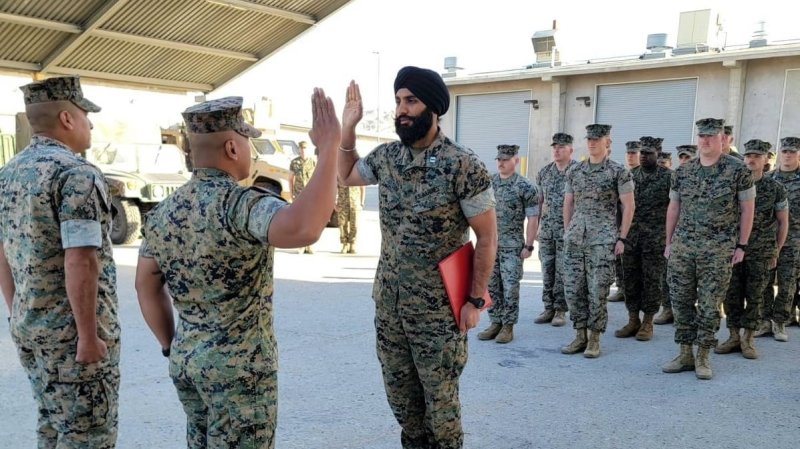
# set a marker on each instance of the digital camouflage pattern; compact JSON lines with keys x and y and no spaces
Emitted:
{"x":224,"y":114}
{"x":348,"y":200}
{"x":590,"y":237}
{"x":424,"y":202}
{"x":517,"y":200}
{"x":63,"y":88}
{"x":643,"y":260}
{"x":596,"y":131}
{"x":48,"y":189}
{"x":709,"y":126}
{"x":550,"y":182}
{"x":699,"y":267}
{"x":506,"y":152}
{"x":777,"y":308}
{"x":209,"y":239}
{"x":302,"y":169}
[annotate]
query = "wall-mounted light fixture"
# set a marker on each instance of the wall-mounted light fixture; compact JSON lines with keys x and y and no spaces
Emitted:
{"x":587,"y":101}
{"x":534,"y":103}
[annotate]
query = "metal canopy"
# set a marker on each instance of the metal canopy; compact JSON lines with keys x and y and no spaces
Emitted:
{"x":190,"y":45}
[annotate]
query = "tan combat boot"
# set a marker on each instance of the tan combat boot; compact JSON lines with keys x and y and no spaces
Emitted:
{"x":683,"y":362}
{"x":630,"y":329}
{"x":490,"y":332}
{"x":593,"y":347}
{"x":351,"y":249}
{"x":748,"y":345}
{"x":665,"y":317}
{"x":646,"y":331}
{"x":344,"y":248}
{"x":702,"y":368}
{"x":545,"y":317}
{"x":618,"y":296}
{"x":732,"y":344}
{"x":577,"y":345}
{"x":779,"y":331}
{"x":558,"y":319}
{"x":764,"y":328}
{"x":506,"y":334}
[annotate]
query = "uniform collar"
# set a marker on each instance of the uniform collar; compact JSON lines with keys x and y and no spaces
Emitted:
{"x":211,"y":173}
{"x":427,"y":158}
{"x":39,"y":140}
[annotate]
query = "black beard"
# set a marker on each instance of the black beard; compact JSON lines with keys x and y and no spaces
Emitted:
{"x":417,"y":130}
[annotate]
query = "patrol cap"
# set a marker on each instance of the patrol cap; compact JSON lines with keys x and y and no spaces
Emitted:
{"x":561,"y":139}
{"x":756,"y":146}
{"x":224,"y":114}
{"x":790,"y":144}
{"x":690,"y":150}
{"x":633,"y":146}
{"x":62,"y":88}
{"x":709,"y":126}
{"x":727,"y":129}
{"x":506,"y":152}
{"x":664,"y":156}
{"x":651,"y":142}
{"x":596,"y":131}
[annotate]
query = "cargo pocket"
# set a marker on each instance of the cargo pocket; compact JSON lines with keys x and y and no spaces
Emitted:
{"x":77,"y":399}
{"x":254,"y":425}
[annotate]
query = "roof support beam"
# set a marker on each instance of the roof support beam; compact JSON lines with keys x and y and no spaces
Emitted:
{"x":40,"y":23}
{"x":277,"y":12}
{"x":174,"y":45}
{"x":97,"y":19}
{"x":157,"y":82}
{"x":17,"y":65}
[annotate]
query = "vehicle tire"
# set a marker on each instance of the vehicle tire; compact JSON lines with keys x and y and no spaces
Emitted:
{"x":126,"y":227}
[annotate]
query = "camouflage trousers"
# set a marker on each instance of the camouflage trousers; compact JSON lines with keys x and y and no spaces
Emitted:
{"x":348,"y":224}
{"x":77,"y":402}
{"x":697,"y":277}
{"x":238,"y":413}
{"x":643,"y":266}
{"x":619,"y":274}
{"x":551,"y":255}
{"x":588,"y":274}
{"x":666,"y":300}
{"x":777,"y":309}
{"x":504,"y":286}
{"x":749,"y":280}
{"x":422,"y":355}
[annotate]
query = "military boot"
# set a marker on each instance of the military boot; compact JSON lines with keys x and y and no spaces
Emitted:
{"x":779,"y":331}
{"x":618,"y":296}
{"x":748,"y":345}
{"x":351,"y":249}
{"x":344,"y":248}
{"x":593,"y":346}
{"x":646,"y":331}
{"x":630,"y":329}
{"x":558,"y":319}
{"x":506,"y":334}
{"x":545,"y":317}
{"x":490,"y":332}
{"x":683,"y":362}
{"x":577,"y":345}
{"x":702,"y":369}
{"x":764,"y":328}
{"x":732,"y":344}
{"x":793,"y":317}
{"x":665,"y":317}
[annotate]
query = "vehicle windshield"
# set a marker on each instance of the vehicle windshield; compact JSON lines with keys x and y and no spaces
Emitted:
{"x":265,"y":146}
{"x":142,"y":158}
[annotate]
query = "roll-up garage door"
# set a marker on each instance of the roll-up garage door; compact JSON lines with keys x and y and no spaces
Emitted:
{"x":790,"y":112}
{"x":659,"y":109}
{"x":485,"y":121}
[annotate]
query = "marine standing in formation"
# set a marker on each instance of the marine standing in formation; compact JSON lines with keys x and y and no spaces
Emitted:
{"x":208,"y":249}
{"x":550,"y":181}
{"x":632,"y":162}
{"x":709,"y":220}
{"x":302,"y":168}
{"x":57,"y":272}
{"x":348,"y":201}
{"x":727,"y":143}
{"x":432,"y":191}
{"x":516,"y":201}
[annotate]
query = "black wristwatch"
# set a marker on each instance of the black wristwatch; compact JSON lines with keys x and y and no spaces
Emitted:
{"x":477,"y":302}
{"x":529,"y":247}
{"x":742,"y":246}
{"x":623,"y":240}
{"x":165,"y":352}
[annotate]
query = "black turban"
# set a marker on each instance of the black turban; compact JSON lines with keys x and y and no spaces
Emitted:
{"x":426,"y":85}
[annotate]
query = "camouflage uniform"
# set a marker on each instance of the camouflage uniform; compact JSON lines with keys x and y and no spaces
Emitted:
{"x":516,"y":200}
{"x":699,"y":267}
{"x":551,"y":183}
{"x":348,"y":201}
{"x":302,"y":169}
{"x":424,"y":201}
{"x":590,"y":237}
{"x":643,"y":259}
{"x":209,"y":238}
{"x":54,"y":200}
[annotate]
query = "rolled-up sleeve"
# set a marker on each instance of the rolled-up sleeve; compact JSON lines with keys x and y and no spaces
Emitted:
{"x":261,"y":215}
{"x":365,"y":171}
{"x":478,"y":204}
{"x":82,"y":202}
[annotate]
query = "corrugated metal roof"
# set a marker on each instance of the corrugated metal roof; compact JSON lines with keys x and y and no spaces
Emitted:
{"x":177,"y":44}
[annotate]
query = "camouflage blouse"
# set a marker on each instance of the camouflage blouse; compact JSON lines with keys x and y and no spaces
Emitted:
{"x":516,"y":200}
{"x":550,"y":182}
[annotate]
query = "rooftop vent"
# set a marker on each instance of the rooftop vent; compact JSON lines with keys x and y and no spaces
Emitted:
{"x":759,"y":36}
{"x":699,"y":31}
{"x":451,"y":65}
{"x":657,"y":46}
{"x":544,"y":45}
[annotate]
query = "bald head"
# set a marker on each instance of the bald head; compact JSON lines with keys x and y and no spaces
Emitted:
{"x":44,"y":117}
{"x":62,"y":121}
{"x":225,"y":150}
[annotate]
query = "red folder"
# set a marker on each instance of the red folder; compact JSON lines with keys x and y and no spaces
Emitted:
{"x":456,"y":271}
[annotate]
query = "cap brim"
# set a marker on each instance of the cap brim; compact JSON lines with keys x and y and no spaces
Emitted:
{"x":504,"y":157}
{"x":790,"y":149}
{"x":86,"y":105}
{"x":249,"y":131}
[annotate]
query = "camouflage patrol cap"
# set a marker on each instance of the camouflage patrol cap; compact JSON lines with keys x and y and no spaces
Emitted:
{"x":790,"y":144}
{"x":596,"y":131}
{"x":653,"y":143}
{"x":756,"y":146}
{"x":727,"y":129}
{"x":561,"y":139}
{"x":690,"y":150}
{"x":506,"y":152}
{"x":62,"y":88}
{"x":664,"y":156}
{"x":634,"y":146}
{"x":224,"y":114}
{"x":709,"y":126}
